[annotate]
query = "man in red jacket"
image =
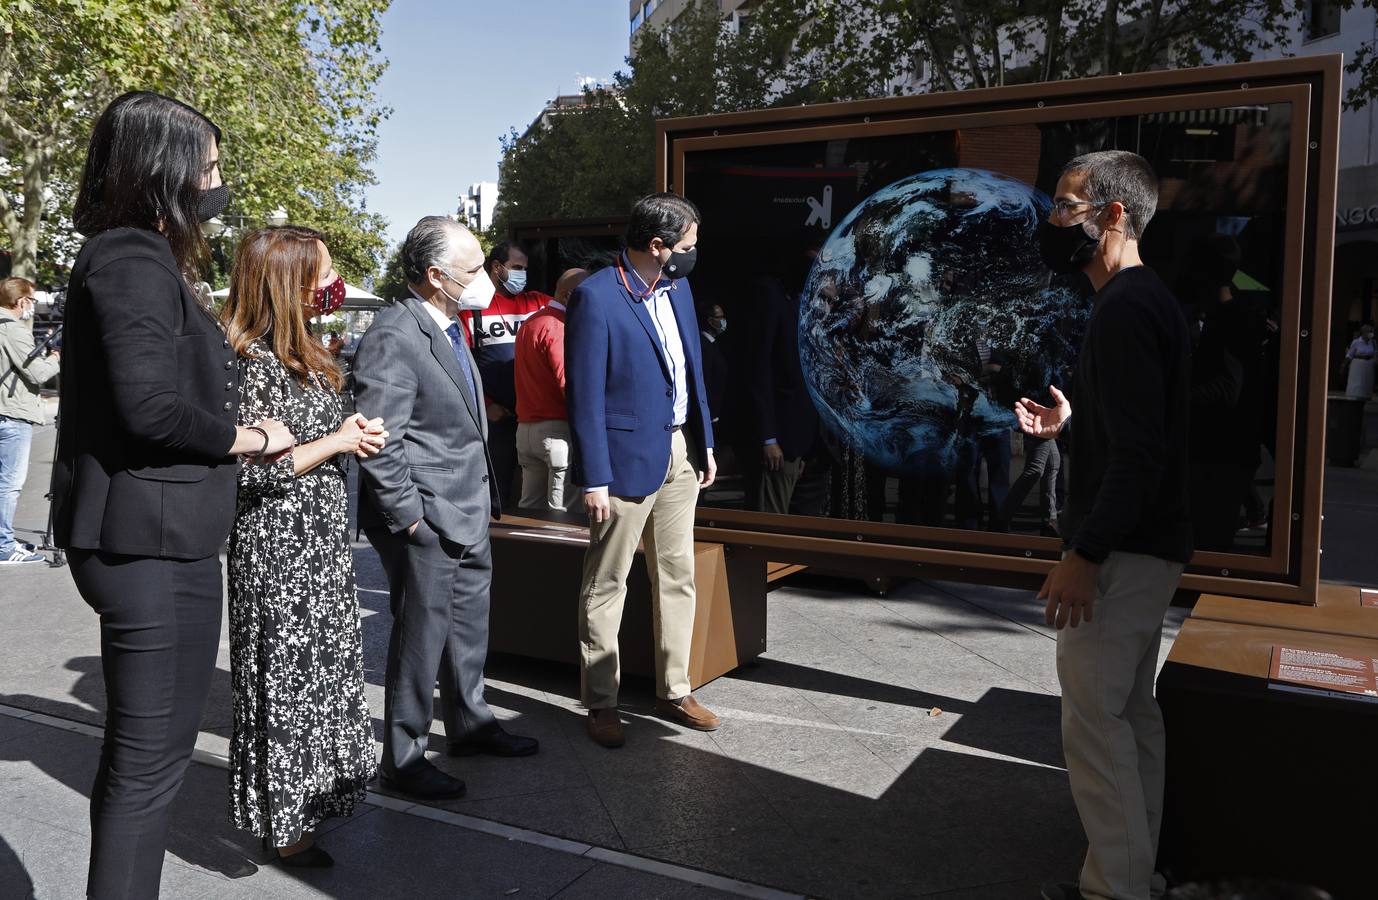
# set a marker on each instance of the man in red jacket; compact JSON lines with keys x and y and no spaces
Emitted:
{"x":542,"y":422}
{"x":493,"y":335}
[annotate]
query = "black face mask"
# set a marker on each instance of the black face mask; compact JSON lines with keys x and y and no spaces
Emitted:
{"x":680,"y":264}
{"x":213,"y":202}
{"x":1065,"y":248}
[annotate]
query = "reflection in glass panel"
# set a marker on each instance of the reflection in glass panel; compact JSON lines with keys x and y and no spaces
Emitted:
{"x":549,"y":257}
{"x":888,"y":306}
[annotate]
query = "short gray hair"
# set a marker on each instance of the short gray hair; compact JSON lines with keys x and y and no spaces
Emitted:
{"x":1118,"y":175}
{"x":428,"y":244}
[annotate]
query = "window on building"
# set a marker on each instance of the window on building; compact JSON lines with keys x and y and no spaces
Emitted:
{"x":1322,"y":18}
{"x":636,"y":21}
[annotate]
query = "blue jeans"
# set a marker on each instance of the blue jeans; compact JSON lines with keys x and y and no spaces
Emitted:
{"x":15,"y":438}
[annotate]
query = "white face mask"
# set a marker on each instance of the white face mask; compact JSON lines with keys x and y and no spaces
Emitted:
{"x":477,"y":294}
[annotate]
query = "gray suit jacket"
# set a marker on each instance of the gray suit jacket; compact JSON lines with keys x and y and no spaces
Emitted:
{"x":435,"y":465}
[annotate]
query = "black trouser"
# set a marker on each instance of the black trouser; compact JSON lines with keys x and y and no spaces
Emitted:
{"x":1041,"y":463}
{"x":502,"y":449}
{"x":994,"y":449}
{"x":159,"y":634}
{"x":1219,"y":491}
{"x":439,"y":597}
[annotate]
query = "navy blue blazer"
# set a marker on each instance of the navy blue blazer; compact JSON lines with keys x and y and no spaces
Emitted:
{"x":618,"y":386}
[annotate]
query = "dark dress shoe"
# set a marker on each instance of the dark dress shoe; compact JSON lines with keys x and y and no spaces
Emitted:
{"x":493,"y":741}
{"x":689,"y":713}
{"x":313,"y":857}
{"x":425,"y":782}
{"x":606,"y":728}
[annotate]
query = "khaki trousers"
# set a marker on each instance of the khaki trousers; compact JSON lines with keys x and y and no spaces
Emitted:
{"x":543,"y":454}
{"x":664,"y":522}
{"x":1112,"y":729}
{"x":775,"y":489}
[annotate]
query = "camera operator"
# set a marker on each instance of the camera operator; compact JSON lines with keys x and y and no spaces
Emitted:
{"x":23,"y":369}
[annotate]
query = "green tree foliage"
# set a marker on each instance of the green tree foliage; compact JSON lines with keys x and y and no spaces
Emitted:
{"x":392,"y":284}
{"x":597,"y":160}
{"x":290,"y":82}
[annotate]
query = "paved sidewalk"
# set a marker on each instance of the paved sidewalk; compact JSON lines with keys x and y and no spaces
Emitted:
{"x":904,"y":746}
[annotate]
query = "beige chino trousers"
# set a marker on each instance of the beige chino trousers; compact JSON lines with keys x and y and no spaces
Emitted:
{"x":1112,"y":729}
{"x":543,"y":451}
{"x":664,"y":523}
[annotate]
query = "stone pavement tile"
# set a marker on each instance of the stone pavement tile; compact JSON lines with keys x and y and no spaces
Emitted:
{"x":1014,"y":604}
{"x":786,"y":625}
{"x":12,"y":727}
{"x":555,"y":766}
{"x":47,"y":774}
{"x":39,"y":860}
{"x":1005,"y":890}
{"x":665,"y":786}
{"x":777,"y":857}
{"x":388,"y":854}
{"x":574,"y":813}
{"x":782,"y":741}
{"x":1011,"y":722}
{"x":603,"y":882}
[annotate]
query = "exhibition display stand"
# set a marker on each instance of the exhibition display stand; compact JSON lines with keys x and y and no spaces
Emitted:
{"x":1268,"y":777}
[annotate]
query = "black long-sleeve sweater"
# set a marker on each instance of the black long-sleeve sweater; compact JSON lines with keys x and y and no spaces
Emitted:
{"x":1127,"y":486}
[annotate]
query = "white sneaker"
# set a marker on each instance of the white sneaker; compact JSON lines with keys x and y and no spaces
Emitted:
{"x":21,"y":555}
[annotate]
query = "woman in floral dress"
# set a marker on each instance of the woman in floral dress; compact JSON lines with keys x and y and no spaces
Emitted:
{"x":302,"y":748}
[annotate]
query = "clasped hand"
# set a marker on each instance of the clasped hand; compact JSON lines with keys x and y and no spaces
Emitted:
{"x":362,"y":437}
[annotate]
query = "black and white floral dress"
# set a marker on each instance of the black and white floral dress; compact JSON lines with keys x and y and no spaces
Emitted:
{"x":302,"y":748}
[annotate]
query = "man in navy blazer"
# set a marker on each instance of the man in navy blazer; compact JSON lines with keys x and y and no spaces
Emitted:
{"x":643,"y":448}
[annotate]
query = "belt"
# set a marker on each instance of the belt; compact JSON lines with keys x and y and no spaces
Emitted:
{"x":674,"y":428}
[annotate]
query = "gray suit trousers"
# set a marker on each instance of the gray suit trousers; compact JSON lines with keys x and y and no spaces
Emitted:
{"x":439,"y":593}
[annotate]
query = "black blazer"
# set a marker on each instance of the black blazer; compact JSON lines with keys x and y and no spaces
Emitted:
{"x":714,"y":374}
{"x":150,"y":392}
{"x":780,"y":403}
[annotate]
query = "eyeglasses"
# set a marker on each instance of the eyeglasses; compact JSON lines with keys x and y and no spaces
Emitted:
{"x":1062,"y":208}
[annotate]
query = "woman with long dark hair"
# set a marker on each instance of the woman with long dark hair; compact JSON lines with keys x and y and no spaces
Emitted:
{"x":302,"y":747}
{"x":144,"y":483}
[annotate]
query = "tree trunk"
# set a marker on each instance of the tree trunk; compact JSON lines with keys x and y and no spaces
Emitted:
{"x":1110,"y":29}
{"x":1052,"y":39}
{"x":997,"y":58}
{"x":23,"y":227}
{"x":1148,"y":47}
{"x":959,"y":15}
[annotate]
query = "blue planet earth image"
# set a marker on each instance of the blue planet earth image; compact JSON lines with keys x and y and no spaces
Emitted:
{"x":928,"y":313}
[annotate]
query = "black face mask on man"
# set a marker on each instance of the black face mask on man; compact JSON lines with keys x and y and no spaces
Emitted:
{"x":1066,"y":248}
{"x":213,"y":202}
{"x":680,"y":264}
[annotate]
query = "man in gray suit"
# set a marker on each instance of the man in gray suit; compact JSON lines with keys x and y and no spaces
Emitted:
{"x":425,"y":505}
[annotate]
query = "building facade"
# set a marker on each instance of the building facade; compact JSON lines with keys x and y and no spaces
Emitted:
{"x":657,"y":14}
{"x":1354,"y":296}
{"x":476,"y":207}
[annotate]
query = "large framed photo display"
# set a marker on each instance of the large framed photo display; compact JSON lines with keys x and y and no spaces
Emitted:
{"x":904,"y":232}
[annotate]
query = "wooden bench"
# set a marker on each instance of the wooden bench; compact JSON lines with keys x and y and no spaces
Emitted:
{"x":537,"y":564}
{"x":1338,"y":610}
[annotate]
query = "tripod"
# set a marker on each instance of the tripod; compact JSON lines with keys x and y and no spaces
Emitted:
{"x":59,"y":556}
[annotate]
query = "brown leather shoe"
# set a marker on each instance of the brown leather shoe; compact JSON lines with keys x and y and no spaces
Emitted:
{"x":605,"y":727}
{"x":688,"y":712}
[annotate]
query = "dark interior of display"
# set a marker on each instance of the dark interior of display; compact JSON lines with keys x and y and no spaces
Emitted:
{"x":549,"y":256}
{"x":918,"y":312}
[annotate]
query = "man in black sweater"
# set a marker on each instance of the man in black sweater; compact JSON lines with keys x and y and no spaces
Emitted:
{"x":1127,"y":525}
